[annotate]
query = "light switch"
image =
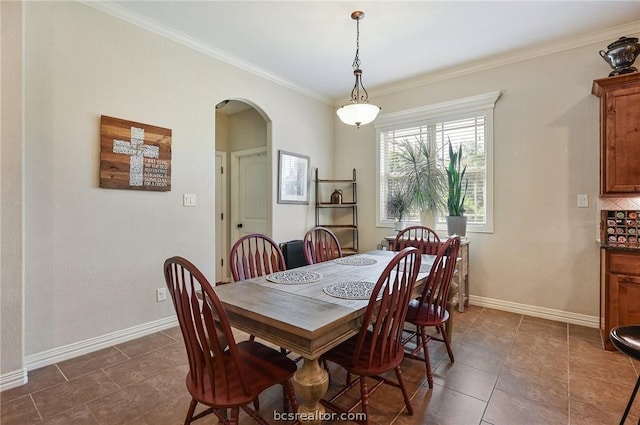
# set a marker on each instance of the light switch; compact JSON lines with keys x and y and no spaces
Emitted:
{"x":583,"y":201}
{"x":189,"y":200}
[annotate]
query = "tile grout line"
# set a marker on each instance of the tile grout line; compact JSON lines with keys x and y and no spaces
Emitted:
{"x":61,"y":372}
{"x":36,"y":407}
{"x":513,"y":342}
{"x":122,"y":352}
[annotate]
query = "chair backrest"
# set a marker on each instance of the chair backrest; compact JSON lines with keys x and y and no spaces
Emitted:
{"x":435,"y":293}
{"x":206,"y":331}
{"x":321,"y":244}
{"x":386,"y":311}
{"x":423,"y":238}
{"x":255,"y":255}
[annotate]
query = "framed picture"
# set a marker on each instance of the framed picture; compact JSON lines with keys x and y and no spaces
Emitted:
{"x":293,"y":178}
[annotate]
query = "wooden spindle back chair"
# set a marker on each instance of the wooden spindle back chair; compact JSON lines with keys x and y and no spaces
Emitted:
{"x":377,"y":348}
{"x":425,"y":239}
{"x":255,"y":255}
{"x":222,"y":374}
{"x":321,"y":244}
{"x":430,"y":310}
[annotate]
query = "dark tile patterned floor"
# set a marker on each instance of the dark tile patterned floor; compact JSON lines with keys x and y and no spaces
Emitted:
{"x":510,"y":369}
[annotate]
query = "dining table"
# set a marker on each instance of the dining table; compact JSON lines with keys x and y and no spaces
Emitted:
{"x":310,"y":310}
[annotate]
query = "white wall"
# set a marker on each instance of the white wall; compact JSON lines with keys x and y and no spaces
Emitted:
{"x":94,"y":256}
{"x":543,"y":252}
{"x":11,"y":193}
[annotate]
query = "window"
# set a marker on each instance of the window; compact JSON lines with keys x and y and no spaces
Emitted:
{"x":467,"y":123}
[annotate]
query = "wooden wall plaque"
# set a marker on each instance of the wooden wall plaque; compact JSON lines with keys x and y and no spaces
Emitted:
{"x":134,"y":156}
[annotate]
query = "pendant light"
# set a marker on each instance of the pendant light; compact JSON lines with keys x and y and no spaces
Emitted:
{"x":359,"y":111}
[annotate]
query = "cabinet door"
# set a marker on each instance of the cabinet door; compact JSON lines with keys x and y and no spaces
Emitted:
{"x":621,"y":141}
{"x":624,"y":299}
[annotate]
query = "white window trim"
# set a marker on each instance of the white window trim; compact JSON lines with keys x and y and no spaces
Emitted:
{"x":482,"y":103}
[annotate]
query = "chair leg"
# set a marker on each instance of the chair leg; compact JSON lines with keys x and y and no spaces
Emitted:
{"x":405,"y":395}
{"x":192,"y":408}
{"x":235,"y":414}
{"x":447,"y":344}
{"x":630,"y":403}
{"x":427,"y":360}
{"x":364,"y":396}
{"x":291,"y":396}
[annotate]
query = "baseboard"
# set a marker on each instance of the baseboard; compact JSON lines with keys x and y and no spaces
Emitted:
{"x":65,"y":352}
{"x":13,"y":379}
{"x":542,"y":312}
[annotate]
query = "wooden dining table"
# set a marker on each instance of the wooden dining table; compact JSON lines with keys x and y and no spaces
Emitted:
{"x":305,"y":319}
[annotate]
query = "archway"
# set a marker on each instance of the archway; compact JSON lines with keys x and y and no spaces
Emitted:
{"x":243,"y":176}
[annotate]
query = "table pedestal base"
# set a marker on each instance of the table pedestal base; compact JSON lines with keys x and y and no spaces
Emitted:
{"x":311,"y":382}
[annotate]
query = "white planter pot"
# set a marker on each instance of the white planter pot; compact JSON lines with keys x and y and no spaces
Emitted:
{"x":428,"y":219}
{"x":400,"y":225}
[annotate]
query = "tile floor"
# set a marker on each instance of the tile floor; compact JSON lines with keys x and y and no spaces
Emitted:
{"x":510,"y":369}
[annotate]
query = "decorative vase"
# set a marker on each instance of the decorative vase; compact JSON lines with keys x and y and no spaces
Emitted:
{"x":400,"y":225}
{"x":428,"y":219}
{"x":336,"y":196}
{"x":457,"y":225}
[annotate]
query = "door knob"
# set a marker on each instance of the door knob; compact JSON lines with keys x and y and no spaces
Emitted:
{"x":239,"y":225}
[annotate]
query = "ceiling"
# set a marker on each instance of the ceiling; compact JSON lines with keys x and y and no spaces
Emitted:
{"x":310,"y":45}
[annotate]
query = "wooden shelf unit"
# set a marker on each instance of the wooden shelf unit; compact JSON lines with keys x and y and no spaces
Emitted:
{"x":346,"y":226}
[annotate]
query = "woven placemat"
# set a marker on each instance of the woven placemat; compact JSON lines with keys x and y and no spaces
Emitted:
{"x":294,"y":277}
{"x":356,"y":260}
{"x":356,"y":290}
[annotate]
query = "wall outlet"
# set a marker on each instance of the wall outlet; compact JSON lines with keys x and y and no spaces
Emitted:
{"x":161,"y":294}
{"x":583,"y":201}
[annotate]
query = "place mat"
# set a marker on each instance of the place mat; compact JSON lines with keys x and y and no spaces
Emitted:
{"x":356,"y":290}
{"x":356,"y":260}
{"x":294,"y":277}
{"x":424,"y":268}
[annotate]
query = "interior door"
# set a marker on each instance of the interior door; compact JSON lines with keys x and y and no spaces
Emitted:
{"x":221,"y":219}
{"x":249,"y":192}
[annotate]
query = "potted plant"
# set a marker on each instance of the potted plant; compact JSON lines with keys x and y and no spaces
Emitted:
{"x":397,"y":206}
{"x":456,"y":221}
{"x":423,"y":180}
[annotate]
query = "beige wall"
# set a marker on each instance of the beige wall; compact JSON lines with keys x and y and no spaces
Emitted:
{"x":543,"y":252}
{"x":11,"y":192}
{"x":247,"y":130}
{"x":94,"y":256}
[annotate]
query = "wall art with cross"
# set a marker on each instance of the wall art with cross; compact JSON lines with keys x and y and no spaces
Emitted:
{"x":134,"y":155}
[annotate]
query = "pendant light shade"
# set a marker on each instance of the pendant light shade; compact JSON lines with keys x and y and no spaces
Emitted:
{"x":359,"y":111}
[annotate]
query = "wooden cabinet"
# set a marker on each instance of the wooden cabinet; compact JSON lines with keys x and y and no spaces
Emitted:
{"x":619,"y":291}
{"x":341,"y":214}
{"x":619,"y":134}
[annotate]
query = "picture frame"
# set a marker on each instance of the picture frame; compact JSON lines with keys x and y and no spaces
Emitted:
{"x":294,"y":171}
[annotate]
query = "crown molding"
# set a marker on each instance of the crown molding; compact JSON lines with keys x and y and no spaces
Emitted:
{"x":608,"y":35}
{"x":136,"y":19}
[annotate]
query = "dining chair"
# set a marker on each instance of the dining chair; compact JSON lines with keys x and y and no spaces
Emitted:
{"x":421,"y":237}
{"x":321,"y":244}
{"x":627,"y":340}
{"x":255,"y":255}
{"x":377,"y":348}
{"x":222,"y":374}
{"x":430,"y":310}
